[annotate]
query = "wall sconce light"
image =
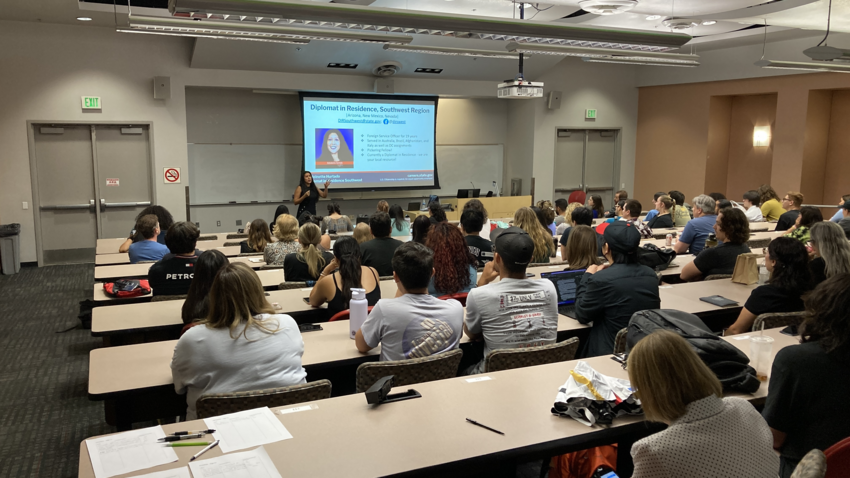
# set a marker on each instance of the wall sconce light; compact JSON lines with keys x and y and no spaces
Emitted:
{"x":761,"y":136}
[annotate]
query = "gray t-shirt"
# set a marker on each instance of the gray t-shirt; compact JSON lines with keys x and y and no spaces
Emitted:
{"x":513,"y":313}
{"x":413,"y":326}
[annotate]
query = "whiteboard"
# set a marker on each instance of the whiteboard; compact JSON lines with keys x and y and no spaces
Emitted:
{"x":222,"y":173}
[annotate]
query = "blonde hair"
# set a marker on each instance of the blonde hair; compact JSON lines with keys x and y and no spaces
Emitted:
{"x":832,"y":246}
{"x":668,"y":203}
{"x":286,"y":228}
{"x":310,"y":236}
{"x":544,"y":246}
{"x":668,"y":375}
{"x":235,"y":298}
{"x":581,"y":250}
{"x":363,"y":233}
{"x":568,"y":215}
{"x":383,"y":206}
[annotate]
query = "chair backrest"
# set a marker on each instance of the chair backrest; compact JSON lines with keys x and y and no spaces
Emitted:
{"x":292,"y":285}
{"x":718,"y":277}
{"x":207,"y":238}
{"x":385,"y":278}
{"x":620,"y":341}
{"x":425,"y":369}
{"x":237,"y":236}
{"x":271,"y":266}
{"x":245,"y":254}
{"x":188,"y":326}
{"x":160,"y":298}
{"x":506,"y":359}
{"x":231,"y":244}
{"x":837,"y":459}
{"x":146,"y":262}
{"x":772,"y":320}
{"x":215,"y":404}
{"x":458,"y":296}
{"x":345,"y":314}
{"x":758,"y":243}
{"x":814,"y":465}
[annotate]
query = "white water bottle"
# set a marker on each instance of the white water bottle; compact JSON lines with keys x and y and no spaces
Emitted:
{"x":357,"y":310}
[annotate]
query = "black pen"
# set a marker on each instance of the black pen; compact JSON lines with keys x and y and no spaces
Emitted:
{"x":484,"y":426}
{"x":193,"y":433}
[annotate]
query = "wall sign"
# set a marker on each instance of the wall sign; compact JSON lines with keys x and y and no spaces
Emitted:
{"x":112,"y":181}
{"x":171,"y":175}
{"x":91,"y":102}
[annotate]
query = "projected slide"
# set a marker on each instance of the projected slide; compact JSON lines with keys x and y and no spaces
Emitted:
{"x":370,"y":143}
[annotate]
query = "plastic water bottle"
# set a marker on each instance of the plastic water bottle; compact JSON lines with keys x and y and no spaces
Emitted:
{"x":357,"y":310}
{"x":424,"y":206}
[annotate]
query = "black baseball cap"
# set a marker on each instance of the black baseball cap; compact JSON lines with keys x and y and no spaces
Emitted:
{"x":515,"y":246}
{"x":622,"y":236}
{"x":846,"y":205}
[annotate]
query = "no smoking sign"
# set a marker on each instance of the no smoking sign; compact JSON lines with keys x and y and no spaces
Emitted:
{"x":171,"y":175}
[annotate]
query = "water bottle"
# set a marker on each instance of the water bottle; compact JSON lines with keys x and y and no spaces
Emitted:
{"x":424,"y":206}
{"x":764,"y":276}
{"x":357,"y":310}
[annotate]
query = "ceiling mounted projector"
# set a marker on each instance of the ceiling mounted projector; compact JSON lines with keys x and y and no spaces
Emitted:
{"x":387,"y":69}
{"x":607,"y":7}
{"x":519,"y":89}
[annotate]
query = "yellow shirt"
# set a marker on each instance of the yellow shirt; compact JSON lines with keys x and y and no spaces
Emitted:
{"x":771,"y":210}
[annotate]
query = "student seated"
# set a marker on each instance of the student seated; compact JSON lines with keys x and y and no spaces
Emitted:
{"x":733,"y":231}
{"x":652,"y":213}
{"x":546,"y":215}
{"x":383,"y":206}
{"x":620,"y":195}
{"x":363,"y":233}
{"x":839,"y":214}
{"x":419,"y":229}
{"x":470,"y":223}
{"x":608,"y":295}
{"x":306,"y":264}
{"x":325,"y":239}
{"x":770,"y":207}
{"x":335,"y":222}
{"x":787,"y":262}
{"x":568,"y":218}
{"x":163,"y":217}
{"x":594,"y":203}
{"x":544,"y":246}
{"x":808,"y":217}
{"x":791,"y":202}
{"x":147,"y":249}
{"x":454,"y":266}
{"x":845,"y":223}
{"x":707,"y":436}
{"x":242,"y":345}
{"x":696,"y":232}
{"x":750,"y":204}
{"x":581,"y":250}
{"x":486,"y":226}
{"x":806,"y":379}
{"x":491,"y":307}
{"x":682,"y":212}
{"x":334,"y":288}
{"x":282,"y":209}
{"x":197,"y":303}
{"x":560,"y":211}
{"x":664,"y":218}
{"x":258,"y":238}
{"x":830,"y":252}
{"x":436,"y":212}
{"x":173,"y":274}
{"x":286,"y":232}
{"x":399,"y":224}
{"x":378,"y":252}
{"x":581,"y":216}
{"x":414,"y":324}
{"x":631,"y":213}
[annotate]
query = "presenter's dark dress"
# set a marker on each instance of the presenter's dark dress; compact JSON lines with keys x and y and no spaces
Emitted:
{"x":308,"y":204}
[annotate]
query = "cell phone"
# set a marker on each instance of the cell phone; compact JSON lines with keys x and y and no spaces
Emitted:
{"x":306,"y":300}
{"x":790,"y":330}
{"x":619,"y":358}
{"x":309,"y":327}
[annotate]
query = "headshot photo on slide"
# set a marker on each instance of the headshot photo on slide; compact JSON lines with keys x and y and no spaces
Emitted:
{"x":334,"y":148}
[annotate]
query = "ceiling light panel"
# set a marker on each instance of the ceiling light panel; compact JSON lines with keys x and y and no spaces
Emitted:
{"x":601,"y":53}
{"x":452,"y":51}
{"x":804,"y":66}
{"x":222,"y":35}
{"x":644,"y":62}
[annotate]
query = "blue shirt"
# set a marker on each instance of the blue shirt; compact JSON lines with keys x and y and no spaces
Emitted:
{"x":650,"y":215}
{"x":473,"y":281}
{"x":697,"y":231}
{"x":405,"y":229}
{"x":146,"y":251}
{"x":838,"y":215}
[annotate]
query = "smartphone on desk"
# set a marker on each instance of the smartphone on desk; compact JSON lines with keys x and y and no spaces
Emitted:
{"x":309,"y":327}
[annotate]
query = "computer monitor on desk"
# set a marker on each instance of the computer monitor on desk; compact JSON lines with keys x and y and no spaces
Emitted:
{"x":468,"y":193}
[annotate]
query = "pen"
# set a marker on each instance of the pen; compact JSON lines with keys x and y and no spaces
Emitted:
{"x":210,"y":447}
{"x":193,"y":433}
{"x":188,"y":443}
{"x":180,"y":437}
{"x":484,"y":426}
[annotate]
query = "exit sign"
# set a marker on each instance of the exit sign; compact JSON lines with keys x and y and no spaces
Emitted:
{"x":590,"y":114}
{"x":91,"y":102}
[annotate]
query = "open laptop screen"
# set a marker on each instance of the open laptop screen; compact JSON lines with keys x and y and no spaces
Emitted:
{"x":566,"y":283}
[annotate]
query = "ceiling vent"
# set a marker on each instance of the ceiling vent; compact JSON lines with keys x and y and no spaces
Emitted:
{"x":433,"y":71}
{"x":680,"y":23}
{"x":387,"y":69}
{"x":607,"y":7}
{"x":349,"y":66}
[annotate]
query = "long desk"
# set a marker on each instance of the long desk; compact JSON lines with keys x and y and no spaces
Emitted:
{"x":110,"y":246}
{"x":516,"y":402}
{"x":124,"y":271}
{"x":124,"y":258}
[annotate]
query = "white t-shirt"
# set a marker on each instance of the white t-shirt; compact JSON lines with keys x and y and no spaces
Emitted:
{"x":211,"y":361}
{"x":753,"y":214}
{"x":413,"y":326}
{"x":485,"y":229}
{"x":513,"y":313}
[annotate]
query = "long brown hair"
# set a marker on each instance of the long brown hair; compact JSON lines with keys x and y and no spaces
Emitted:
{"x":827,"y":307}
{"x":544,"y":246}
{"x":235,"y":298}
{"x":347,"y":254}
{"x":582,"y":249}
{"x":259,"y":235}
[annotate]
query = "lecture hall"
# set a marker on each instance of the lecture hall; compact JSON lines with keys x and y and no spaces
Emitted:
{"x":360,"y":238}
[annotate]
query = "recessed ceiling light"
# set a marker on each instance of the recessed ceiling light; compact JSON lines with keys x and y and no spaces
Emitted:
{"x":709,"y":22}
{"x":653,"y":17}
{"x":607,"y":7}
{"x":84,"y":19}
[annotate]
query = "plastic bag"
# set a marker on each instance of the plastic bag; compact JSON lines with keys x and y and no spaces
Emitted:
{"x":591,"y":397}
{"x":8,"y":230}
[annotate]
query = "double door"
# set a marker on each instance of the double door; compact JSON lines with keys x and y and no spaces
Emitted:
{"x":89,"y":182}
{"x":587,"y":160}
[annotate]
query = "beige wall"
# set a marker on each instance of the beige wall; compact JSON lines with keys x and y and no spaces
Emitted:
{"x":748,"y":165}
{"x":717,"y":156}
{"x":836,"y":173}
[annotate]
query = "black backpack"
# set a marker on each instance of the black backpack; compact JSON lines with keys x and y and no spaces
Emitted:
{"x":724,"y":359}
{"x":655,"y":257}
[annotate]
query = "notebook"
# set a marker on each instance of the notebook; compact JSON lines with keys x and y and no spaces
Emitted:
{"x":566,"y":284}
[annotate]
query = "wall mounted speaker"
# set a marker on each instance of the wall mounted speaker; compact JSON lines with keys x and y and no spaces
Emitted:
{"x":554,"y":100}
{"x":162,"y":88}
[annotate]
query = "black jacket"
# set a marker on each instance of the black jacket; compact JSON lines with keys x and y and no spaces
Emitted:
{"x":609,"y":297}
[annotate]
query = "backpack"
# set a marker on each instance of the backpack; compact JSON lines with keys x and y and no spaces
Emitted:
{"x":655,"y":257}
{"x":728,"y":362}
{"x":126,"y":288}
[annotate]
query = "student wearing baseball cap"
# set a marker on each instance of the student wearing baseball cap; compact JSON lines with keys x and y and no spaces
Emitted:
{"x":609,"y":294}
{"x":494,"y":309}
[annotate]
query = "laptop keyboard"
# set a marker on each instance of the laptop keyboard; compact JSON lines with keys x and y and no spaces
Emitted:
{"x":569,"y":310}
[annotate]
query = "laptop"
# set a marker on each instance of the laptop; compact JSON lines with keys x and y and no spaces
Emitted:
{"x":413,"y":206}
{"x":566,"y":284}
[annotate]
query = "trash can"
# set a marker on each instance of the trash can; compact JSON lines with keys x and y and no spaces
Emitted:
{"x":10,"y":248}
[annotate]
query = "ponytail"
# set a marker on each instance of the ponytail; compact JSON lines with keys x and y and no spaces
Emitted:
{"x":309,"y":236}
{"x":347,"y":253}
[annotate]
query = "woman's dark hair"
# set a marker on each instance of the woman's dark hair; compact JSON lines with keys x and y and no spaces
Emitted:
{"x":163,"y":217}
{"x":282,"y":209}
{"x":397,"y":214}
{"x":541,"y":218}
{"x":597,"y":205}
{"x":677,"y":196}
{"x":809,"y":216}
{"x":347,"y":253}
{"x":344,"y":151}
{"x":314,"y":191}
{"x":451,"y":258}
{"x":791,"y":272}
{"x":828,"y":306}
{"x":420,"y":228}
{"x":735,"y":225}
{"x":307,"y":217}
{"x":259,"y":235}
{"x":197,"y":304}
{"x":717,"y":196}
{"x":333,"y":207}
{"x":436,"y":210}
{"x":477,"y":205}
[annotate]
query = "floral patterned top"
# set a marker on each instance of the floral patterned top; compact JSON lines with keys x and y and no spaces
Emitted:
{"x":277,"y":251}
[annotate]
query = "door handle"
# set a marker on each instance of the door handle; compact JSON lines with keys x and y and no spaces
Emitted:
{"x":105,"y":204}
{"x":63,"y":207}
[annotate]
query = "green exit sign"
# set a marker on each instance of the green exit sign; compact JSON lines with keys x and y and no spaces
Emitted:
{"x":91,"y":102}
{"x":590,"y":114}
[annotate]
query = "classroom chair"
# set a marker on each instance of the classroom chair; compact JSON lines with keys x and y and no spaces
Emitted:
{"x":718,"y":277}
{"x":271,"y":266}
{"x":160,"y":298}
{"x":458,"y":296}
{"x":214,"y":404}
{"x":837,"y":459}
{"x":385,"y":277}
{"x":237,"y":236}
{"x":620,"y":341}
{"x":292,"y":285}
{"x":246,"y":254}
{"x":771,"y":320}
{"x":813,"y":465}
{"x":207,"y":238}
{"x":759,"y":243}
{"x":507,"y":359}
{"x":345,"y":314}
{"x":406,"y":372}
{"x":232,"y":244}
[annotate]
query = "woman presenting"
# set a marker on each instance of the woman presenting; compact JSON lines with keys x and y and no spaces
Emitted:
{"x":307,"y":194}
